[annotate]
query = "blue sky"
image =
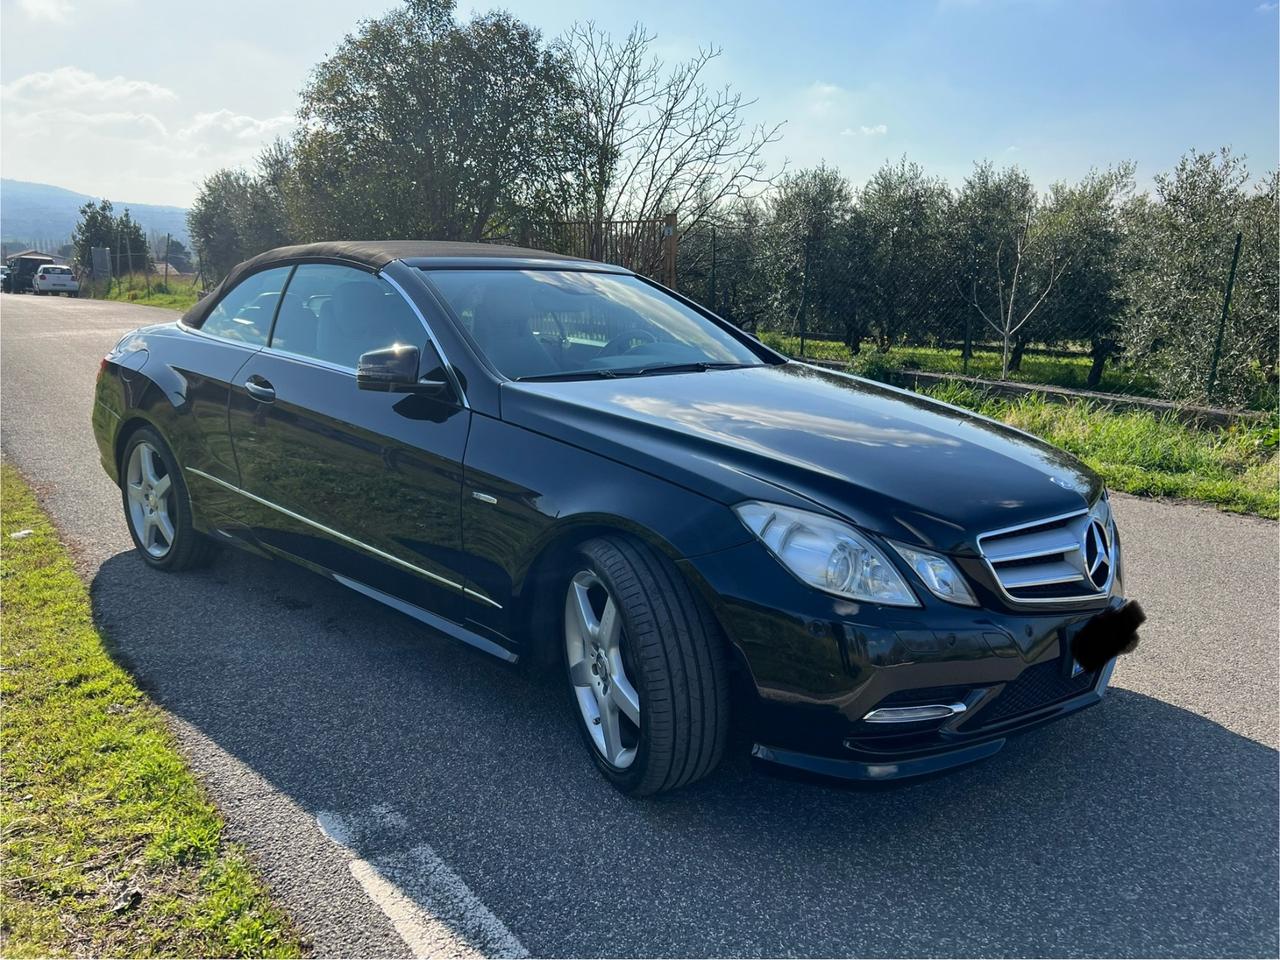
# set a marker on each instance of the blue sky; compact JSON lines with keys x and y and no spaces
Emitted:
{"x":139,"y":101}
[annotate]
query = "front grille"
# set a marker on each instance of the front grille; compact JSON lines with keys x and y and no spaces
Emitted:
{"x":1036,"y":687}
{"x":1058,"y":560}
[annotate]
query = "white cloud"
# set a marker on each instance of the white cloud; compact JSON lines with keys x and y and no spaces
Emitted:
{"x":1267,"y":7}
{"x":118,"y":123}
{"x":58,"y":11}
{"x":211,"y":130}
{"x":879,"y":130}
{"x":126,"y":138}
{"x":71,"y":84}
{"x":822,"y":99}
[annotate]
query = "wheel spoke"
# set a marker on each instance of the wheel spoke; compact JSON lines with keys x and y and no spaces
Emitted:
{"x":165,"y":526}
{"x":148,"y":530}
{"x":612,"y":731}
{"x":162,"y":485}
{"x":148,"y":464}
{"x":135,"y":492}
{"x":580,"y":674}
{"x":584,"y":616}
{"x":609,"y":626}
{"x":625,"y":698}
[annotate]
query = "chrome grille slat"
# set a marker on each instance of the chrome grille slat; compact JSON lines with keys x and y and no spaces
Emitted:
{"x":1031,"y":559}
{"x":1042,"y":543}
{"x":1040,"y":575}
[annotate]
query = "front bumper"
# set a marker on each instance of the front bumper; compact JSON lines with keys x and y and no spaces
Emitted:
{"x":813,"y":666}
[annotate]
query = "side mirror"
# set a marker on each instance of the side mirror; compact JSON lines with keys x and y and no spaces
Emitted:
{"x":395,"y":369}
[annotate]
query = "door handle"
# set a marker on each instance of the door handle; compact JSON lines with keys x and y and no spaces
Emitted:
{"x":260,"y":389}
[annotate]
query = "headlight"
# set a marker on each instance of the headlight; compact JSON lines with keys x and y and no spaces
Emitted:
{"x":827,"y":554}
{"x":938,"y":573}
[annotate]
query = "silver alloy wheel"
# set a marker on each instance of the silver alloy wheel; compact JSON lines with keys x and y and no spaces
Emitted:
{"x":151,"y":511}
{"x":607,"y":700}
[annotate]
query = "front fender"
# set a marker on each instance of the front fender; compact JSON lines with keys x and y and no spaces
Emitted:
{"x":525,"y":494}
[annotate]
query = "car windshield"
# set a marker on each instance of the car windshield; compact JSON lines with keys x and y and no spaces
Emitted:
{"x":552,"y":324}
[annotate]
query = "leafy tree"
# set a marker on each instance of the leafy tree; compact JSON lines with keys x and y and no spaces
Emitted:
{"x":807,"y":240}
{"x":418,"y":126}
{"x":214,"y":221}
{"x":901,"y":263}
{"x":96,"y":228}
{"x":1008,"y":256}
{"x":237,"y":215}
{"x":1180,"y":260}
{"x":100,"y":227}
{"x":1089,"y":220}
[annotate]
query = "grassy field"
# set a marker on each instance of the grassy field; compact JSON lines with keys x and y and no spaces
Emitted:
{"x":110,"y":847}
{"x":177,"y":294}
{"x":1237,"y":468}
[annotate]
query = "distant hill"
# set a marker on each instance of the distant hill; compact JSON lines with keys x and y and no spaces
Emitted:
{"x":45,"y":215}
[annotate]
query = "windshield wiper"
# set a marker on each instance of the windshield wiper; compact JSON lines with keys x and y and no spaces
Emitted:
{"x":570,"y":375}
{"x":697,"y":366}
{"x":609,"y":373}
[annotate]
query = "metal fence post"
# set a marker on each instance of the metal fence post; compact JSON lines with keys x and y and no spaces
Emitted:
{"x":669,"y":250}
{"x":1222,"y":323}
{"x":714,"y":308}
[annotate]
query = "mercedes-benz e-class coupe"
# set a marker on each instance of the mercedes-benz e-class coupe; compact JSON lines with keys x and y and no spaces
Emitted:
{"x":559,"y":461}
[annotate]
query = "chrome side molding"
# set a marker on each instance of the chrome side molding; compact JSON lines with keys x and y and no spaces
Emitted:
{"x":351,"y":541}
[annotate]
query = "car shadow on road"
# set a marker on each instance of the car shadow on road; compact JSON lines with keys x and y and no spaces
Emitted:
{"x":1135,"y":828}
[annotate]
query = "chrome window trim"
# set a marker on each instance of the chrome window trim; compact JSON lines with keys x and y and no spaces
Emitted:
{"x":199,"y":332}
{"x":359,"y":544}
{"x":310,"y":361}
{"x":431,"y":337}
{"x":1101,"y":594}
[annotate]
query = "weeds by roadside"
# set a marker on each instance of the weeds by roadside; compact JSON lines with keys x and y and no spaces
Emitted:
{"x":1056,"y":371}
{"x":178,"y":293}
{"x":1237,"y":468}
{"x":109,"y":844}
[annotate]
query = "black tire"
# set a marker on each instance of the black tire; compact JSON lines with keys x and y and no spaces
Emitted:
{"x":189,"y":548}
{"x":675,"y":657}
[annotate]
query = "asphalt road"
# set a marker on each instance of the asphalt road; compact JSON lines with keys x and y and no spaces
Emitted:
{"x":402,"y":793}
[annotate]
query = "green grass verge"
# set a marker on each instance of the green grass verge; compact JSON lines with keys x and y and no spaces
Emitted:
{"x":110,"y":846}
{"x":1237,"y":468}
{"x":178,"y":294}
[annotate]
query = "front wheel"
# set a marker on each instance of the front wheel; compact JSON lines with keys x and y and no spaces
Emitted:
{"x":158,"y":507}
{"x":648,"y":679}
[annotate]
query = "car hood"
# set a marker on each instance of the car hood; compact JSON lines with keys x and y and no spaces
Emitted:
{"x":892,"y":461}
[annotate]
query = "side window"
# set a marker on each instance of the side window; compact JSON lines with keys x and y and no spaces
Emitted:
{"x":336,"y":313}
{"x":245,"y":312}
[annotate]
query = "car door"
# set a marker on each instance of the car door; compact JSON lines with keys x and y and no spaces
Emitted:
{"x":362,"y":483}
{"x":206,"y":361}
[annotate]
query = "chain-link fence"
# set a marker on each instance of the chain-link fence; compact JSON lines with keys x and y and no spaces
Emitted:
{"x":1138,"y":316}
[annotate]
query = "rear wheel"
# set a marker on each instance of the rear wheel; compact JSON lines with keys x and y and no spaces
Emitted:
{"x":646,"y":666}
{"x":158,"y":507}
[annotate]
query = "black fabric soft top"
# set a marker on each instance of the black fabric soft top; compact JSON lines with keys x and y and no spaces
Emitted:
{"x":371,"y":254}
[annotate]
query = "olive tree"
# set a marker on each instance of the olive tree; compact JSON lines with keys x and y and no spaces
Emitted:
{"x":1182,"y":246}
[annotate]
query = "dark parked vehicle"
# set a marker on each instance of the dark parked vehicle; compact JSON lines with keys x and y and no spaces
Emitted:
{"x":22,"y":271}
{"x":557,"y":460}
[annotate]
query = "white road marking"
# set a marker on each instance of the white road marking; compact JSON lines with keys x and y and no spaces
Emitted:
{"x":429,"y":905}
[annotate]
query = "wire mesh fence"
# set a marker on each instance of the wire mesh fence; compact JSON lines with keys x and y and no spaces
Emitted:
{"x":1141,"y":320}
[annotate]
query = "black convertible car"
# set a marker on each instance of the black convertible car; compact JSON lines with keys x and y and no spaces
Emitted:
{"x":556,"y":460}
